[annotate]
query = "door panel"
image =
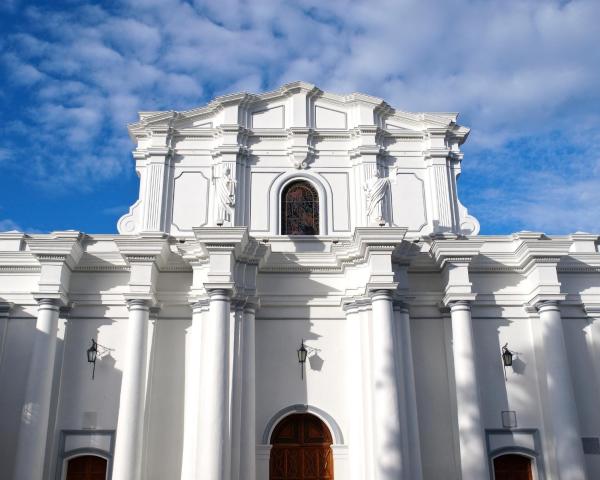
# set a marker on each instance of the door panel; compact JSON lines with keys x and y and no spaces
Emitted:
{"x":87,"y":467}
{"x":301,"y":449}
{"x":512,"y":467}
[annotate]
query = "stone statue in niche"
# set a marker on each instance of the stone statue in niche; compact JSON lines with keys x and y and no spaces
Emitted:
{"x":376,"y":189}
{"x":225,"y":197}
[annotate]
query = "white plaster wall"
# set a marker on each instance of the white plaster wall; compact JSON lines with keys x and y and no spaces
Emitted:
{"x":432,"y":380}
{"x":14,"y":364}
{"x":519,"y":391}
{"x":278,"y":380}
{"x":164,"y":410}
{"x":80,"y":395}
{"x":298,"y":306}
{"x":585,"y":383}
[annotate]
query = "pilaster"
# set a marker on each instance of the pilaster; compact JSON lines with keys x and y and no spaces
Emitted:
{"x":357,"y":362}
{"x":33,"y":430}
{"x":225,"y":263}
{"x":248,"y":429}
{"x":390,"y":456}
{"x":407,"y":377}
{"x":437,"y":156}
{"x":132,"y":403}
{"x":453,"y":256}
{"x":157,"y":188}
{"x":58,"y":254}
{"x":561,"y":397}
{"x":5,"y":309}
{"x":593,"y":313}
{"x":145,"y":254}
{"x":193,"y":397}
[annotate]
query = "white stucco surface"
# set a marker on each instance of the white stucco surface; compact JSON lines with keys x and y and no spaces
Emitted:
{"x":404,"y":316}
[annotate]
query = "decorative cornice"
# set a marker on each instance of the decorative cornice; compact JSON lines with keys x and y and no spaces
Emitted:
{"x":103,"y":268}
{"x":454,"y":250}
{"x":144,"y":248}
{"x":20,"y":269}
{"x":57,"y":247}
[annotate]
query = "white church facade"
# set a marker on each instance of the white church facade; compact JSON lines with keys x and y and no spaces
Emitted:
{"x":298,"y":293}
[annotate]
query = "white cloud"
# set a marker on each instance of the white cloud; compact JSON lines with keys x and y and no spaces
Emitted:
{"x":7,"y":225}
{"x":513,"y":69}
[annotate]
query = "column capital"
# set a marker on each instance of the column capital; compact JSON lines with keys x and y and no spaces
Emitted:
{"x":592,"y":310}
{"x":219,"y":293}
{"x":547,"y":305}
{"x":401,"y":305}
{"x":458,"y":305}
{"x":382,"y":294}
{"x":237,"y":304}
{"x":138,"y":304}
{"x":49,"y":303}
{"x":252,"y":304}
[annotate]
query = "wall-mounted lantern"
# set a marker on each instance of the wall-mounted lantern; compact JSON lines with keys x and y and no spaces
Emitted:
{"x":302,"y":354}
{"x":507,"y":358}
{"x":311,"y":354}
{"x":92,"y":354}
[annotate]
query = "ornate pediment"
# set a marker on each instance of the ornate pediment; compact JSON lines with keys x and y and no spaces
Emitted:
{"x":340,"y":143}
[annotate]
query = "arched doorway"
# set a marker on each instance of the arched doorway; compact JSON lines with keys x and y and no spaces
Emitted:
{"x":299,"y":209}
{"x":301,"y":449}
{"x":86,"y":467}
{"x":512,"y":467}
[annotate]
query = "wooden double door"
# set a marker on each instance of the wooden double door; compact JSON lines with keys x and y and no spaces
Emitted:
{"x":512,"y":467}
{"x":301,"y":449}
{"x":87,"y":467}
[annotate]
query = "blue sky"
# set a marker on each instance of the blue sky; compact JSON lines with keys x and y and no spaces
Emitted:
{"x":524,"y":74}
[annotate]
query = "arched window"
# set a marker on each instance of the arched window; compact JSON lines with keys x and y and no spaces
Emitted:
{"x":512,"y":467}
{"x":299,"y":209}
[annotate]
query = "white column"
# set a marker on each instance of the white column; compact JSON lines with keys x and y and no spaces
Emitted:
{"x":33,"y":430}
{"x":214,"y":428}
{"x":130,"y":423}
{"x":355,"y":362}
{"x":236,"y":391}
{"x":473,"y":455}
{"x":248,"y":453}
{"x":594,"y":341}
{"x":192,"y":393}
{"x":569,"y":452}
{"x":415,"y":472}
{"x":386,"y":408}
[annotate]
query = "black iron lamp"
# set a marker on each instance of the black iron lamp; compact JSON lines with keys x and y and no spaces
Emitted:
{"x":302,"y":354}
{"x":507,"y":358}
{"x":92,"y":354}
